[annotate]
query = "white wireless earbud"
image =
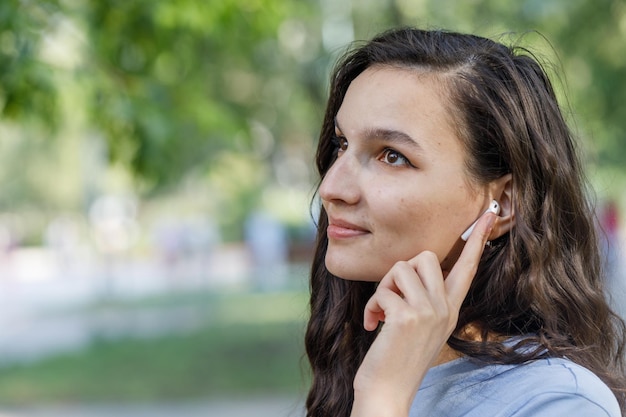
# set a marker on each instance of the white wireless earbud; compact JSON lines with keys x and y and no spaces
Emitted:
{"x":494,"y":207}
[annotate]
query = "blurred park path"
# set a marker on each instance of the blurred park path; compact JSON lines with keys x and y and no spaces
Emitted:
{"x":45,"y":312}
{"x":257,"y":407}
{"x":46,"y":309}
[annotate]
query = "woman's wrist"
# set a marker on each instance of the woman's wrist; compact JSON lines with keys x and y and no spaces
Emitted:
{"x":368,"y":405}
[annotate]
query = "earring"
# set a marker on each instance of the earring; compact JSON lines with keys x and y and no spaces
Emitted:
{"x":489,"y":244}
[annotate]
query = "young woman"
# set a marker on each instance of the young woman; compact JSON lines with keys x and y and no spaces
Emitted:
{"x":423,"y":131}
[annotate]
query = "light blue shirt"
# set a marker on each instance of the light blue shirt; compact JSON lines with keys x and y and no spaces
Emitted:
{"x":542,"y":388}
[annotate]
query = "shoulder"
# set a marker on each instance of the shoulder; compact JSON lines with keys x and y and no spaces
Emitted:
{"x":541,"y":388}
{"x":551,"y":387}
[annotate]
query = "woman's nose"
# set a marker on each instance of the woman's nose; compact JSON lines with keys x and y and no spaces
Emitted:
{"x":340,"y":184}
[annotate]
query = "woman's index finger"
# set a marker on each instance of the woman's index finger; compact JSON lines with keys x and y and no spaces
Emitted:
{"x":462,"y":273}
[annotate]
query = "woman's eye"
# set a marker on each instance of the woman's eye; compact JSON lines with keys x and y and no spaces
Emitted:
{"x":391,"y":157}
{"x":341,"y":143}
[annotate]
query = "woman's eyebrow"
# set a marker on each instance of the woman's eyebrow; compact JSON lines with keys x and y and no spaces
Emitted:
{"x":393,"y":136}
{"x":388,"y":135}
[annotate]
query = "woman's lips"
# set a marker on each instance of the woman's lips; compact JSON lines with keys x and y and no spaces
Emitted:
{"x":340,"y":229}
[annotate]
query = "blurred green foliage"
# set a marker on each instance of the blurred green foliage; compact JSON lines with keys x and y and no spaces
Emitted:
{"x":179,"y":81}
{"x":189,"y":90}
{"x":27,"y":91}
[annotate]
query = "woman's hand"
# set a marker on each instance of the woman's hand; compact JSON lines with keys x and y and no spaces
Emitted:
{"x":420,"y":310}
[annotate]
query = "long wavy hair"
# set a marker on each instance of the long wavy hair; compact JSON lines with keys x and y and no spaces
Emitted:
{"x":541,"y":282}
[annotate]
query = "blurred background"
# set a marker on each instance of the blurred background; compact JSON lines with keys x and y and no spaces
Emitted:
{"x":156,"y":179}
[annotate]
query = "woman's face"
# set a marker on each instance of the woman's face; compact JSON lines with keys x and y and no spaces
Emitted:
{"x":399,"y":184}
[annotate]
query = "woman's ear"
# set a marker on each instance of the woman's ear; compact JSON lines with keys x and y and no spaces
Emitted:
{"x":501,"y":190}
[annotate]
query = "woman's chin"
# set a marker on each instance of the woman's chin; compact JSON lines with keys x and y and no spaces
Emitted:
{"x":351,"y":274}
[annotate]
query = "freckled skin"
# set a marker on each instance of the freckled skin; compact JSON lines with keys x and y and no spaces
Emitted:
{"x":405,"y":209}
